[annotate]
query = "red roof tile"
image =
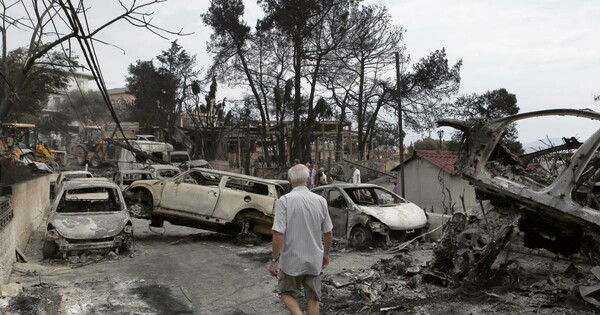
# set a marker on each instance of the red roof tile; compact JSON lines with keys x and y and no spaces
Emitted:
{"x":444,"y":160}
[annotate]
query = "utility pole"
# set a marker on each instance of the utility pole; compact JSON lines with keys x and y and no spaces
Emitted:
{"x":400,"y":130}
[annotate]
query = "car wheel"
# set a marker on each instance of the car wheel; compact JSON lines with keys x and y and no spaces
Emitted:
{"x":81,"y":156}
{"x":50,"y":249}
{"x":361,"y":237}
{"x":95,"y":161}
{"x":139,"y":209}
{"x":127,"y":245}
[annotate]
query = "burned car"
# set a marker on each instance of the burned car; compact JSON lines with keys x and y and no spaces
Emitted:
{"x":88,"y":215}
{"x":208,"y":199}
{"x":69,"y":175}
{"x":161,"y":171}
{"x":358,"y":211}
{"x":556,"y":210}
{"x":125,"y":178}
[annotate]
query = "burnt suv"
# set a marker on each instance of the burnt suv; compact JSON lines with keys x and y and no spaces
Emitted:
{"x":208,"y":199}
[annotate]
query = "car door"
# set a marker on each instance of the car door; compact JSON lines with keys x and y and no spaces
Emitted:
{"x":191,"y":193}
{"x":338,"y":211}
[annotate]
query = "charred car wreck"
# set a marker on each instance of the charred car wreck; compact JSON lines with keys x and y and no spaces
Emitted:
{"x":88,"y":215}
{"x":555,"y":211}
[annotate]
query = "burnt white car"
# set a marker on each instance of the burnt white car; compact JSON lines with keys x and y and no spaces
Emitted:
{"x":125,"y":178}
{"x":69,"y":175}
{"x":162,"y":171}
{"x":360,"y":211}
{"x":88,"y":215}
{"x":208,"y":199}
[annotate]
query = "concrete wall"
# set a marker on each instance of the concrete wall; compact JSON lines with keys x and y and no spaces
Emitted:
{"x":29,"y":201}
{"x":423,"y":187}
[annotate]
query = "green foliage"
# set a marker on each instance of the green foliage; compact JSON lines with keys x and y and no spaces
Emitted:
{"x":430,"y":144}
{"x":162,"y":89}
{"x":423,"y":89}
{"x":490,"y":105}
{"x":49,"y":76}
{"x":84,"y":107}
{"x":154,"y":93}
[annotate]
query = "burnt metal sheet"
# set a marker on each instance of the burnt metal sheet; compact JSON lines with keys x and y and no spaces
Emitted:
{"x":554,"y":215}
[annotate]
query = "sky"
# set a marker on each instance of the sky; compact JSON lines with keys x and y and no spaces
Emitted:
{"x":546,"y":52}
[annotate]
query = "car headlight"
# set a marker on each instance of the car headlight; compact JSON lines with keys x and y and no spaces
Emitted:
{"x":128,"y":229}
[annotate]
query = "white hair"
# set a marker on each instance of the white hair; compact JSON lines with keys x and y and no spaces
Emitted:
{"x":298,"y":174}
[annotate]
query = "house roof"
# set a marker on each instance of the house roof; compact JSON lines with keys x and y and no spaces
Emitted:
{"x":444,"y":160}
{"x":117,"y":91}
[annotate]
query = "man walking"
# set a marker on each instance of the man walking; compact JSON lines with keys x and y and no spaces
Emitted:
{"x":355,"y":174}
{"x":298,"y":254}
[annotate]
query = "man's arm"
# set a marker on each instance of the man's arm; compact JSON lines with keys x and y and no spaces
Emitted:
{"x":275,"y":251}
{"x":327,"y":241}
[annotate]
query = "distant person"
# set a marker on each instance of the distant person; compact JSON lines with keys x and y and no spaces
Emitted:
{"x":321,"y":177}
{"x":52,"y":140}
{"x":298,"y":254}
{"x":395,"y":189}
{"x":329,"y":175}
{"x":310,"y":183}
{"x":355,"y":174}
{"x":58,"y":140}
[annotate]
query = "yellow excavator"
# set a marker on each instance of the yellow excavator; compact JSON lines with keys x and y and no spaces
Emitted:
{"x":19,"y":142}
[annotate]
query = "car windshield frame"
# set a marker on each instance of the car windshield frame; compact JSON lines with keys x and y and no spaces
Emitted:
{"x":82,"y":200}
{"x":368,"y":196}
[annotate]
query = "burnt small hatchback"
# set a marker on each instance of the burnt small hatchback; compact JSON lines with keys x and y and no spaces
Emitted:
{"x":88,"y":215}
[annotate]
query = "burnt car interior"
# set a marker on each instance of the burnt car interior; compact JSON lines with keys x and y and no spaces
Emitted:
{"x":336,"y":199}
{"x":168,"y":173}
{"x":372,"y":196}
{"x":93,"y":199}
{"x":248,"y":186}
{"x":128,"y":179}
{"x":200,"y":178}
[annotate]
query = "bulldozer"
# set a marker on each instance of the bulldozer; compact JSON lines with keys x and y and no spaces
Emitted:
{"x":95,"y":146}
{"x":19,"y":142}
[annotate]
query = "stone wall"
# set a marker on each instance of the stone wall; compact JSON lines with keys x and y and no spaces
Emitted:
{"x":29,"y":202}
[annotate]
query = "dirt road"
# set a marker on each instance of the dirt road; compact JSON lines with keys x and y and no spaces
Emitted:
{"x":183,"y":271}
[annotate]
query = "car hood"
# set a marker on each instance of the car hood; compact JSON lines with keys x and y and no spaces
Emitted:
{"x":89,"y":226}
{"x":406,"y":216}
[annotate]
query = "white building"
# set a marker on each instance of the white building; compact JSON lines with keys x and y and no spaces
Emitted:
{"x":432,"y":181}
{"x":77,"y":80}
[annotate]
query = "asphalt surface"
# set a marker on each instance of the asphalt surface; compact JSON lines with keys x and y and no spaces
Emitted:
{"x":183,"y":271}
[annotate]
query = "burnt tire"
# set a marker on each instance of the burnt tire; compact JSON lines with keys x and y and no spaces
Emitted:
{"x":139,"y":209}
{"x":127,"y":245}
{"x":361,"y":237}
{"x":95,"y":161}
{"x":50,"y":249}
{"x":81,"y":156}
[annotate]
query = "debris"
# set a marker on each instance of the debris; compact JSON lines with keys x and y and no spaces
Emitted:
{"x":391,"y":308}
{"x":346,"y":278}
{"x":591,"y":293}
{"x":557,"y":207}
{"x":20,"y":256}
{"x":10,"y":289}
